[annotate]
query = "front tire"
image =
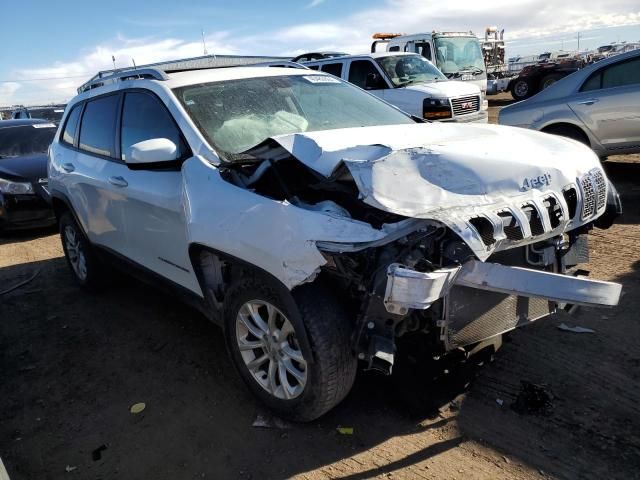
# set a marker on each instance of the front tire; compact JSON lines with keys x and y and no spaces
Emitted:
{"x":81,"y":259}
{"x":263,"y":328}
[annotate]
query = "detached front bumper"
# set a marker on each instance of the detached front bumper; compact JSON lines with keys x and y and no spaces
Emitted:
{"x":487,"y":299}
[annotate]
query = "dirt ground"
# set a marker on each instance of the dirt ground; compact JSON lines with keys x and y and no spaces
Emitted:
{"x":72,"y":364}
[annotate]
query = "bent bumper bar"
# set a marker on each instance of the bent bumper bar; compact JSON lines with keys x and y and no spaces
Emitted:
{"x":408,"y":288}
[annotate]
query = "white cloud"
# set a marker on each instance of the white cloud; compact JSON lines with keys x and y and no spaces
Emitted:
{"x":7,"y":91}
{"x":315,"y":3}
{"x":521,"y":18}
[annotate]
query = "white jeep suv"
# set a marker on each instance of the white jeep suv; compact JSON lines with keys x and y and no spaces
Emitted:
{"x":317,"y":224}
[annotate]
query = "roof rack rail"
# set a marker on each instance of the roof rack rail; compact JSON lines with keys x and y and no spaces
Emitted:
{"x":283,"y":63}
{"x":107,"y":77}
{"x":159,"y":70}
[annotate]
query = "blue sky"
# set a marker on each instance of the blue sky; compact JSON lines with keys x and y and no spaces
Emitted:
{"x":66,"y":42}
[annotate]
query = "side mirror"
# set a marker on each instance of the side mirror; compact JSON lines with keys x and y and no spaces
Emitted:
{"x":372,"y":81}
{"x":152,"y":151}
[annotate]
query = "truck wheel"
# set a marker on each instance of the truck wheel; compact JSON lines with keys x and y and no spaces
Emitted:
{"x":263,"y":327}
{"x":567,"y":131}
{"x":521,"y":89}
{"x":85,"y":267}
{"x":549,"y":80}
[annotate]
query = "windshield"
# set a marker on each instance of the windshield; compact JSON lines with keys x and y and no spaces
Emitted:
{"x":235,"y":115}
{"x":405,"y":69}
{"x":51,"y":114}
{"x":23,"y":140}
{"x":457,"y":54}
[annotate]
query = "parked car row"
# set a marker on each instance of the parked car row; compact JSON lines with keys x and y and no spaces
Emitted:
{"x":317,"y":223}
{"x":597,"y":106}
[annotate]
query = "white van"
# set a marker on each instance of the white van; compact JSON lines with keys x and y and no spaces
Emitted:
{"x":456,"y":54}
{"x":411,"y":83}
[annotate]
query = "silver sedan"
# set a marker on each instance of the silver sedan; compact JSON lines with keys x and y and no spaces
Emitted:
{"x":598,"y":105}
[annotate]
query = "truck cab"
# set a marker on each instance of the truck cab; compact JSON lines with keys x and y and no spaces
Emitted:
{"x":411,"y":83}
{"x":456,"y":54}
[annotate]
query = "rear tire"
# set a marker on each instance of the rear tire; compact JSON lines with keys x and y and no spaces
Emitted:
{"x":549,"y":80}
{"x":269,"y":357}
{"x":81,"y":259}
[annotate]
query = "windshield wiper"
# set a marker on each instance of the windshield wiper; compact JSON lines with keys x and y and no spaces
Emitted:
{"x":472,"y":68}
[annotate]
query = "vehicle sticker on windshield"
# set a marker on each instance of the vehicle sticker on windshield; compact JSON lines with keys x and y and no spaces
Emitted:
{"x":321,"y":79}
{"x":43,"y":125}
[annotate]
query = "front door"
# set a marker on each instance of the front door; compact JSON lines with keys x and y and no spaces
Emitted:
{"x":609,"y":105}
{"x":155,"y":213}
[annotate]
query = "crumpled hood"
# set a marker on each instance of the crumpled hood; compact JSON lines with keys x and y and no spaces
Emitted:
{"x":453,"y":173}
{"x":445,"y":89}
{"x":415,"y":169}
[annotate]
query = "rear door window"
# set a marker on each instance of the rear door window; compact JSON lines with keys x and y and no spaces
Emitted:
{"x":333,"y":68}
{"x":71,"y":126}
{"x":145,"y":118}
{"x":98,"y":125}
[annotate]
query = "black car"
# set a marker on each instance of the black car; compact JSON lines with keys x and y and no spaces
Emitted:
{"x":24,"y":199}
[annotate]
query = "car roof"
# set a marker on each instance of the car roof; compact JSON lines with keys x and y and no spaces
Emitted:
{"x":365,"y":55}
{"x":194,"y":77}
{"x":22,"y":121}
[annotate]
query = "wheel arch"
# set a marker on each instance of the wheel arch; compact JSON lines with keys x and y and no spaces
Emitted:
{"x":554,"y":126}
{"x":61,"y":204}
{"x":218,"y":271}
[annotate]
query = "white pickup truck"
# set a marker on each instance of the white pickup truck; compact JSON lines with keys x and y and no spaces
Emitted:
{"x":411,"y":83}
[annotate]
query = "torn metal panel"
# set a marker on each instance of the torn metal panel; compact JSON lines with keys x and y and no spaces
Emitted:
{"x":535,"y":283}
{"x":275,"y":236}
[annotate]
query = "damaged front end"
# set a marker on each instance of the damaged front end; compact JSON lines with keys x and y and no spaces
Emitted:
{"x":466,"y":246}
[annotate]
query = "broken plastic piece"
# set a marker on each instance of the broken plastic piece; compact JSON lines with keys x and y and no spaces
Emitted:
{"x":137,"y":407}
{"x":268,"y":421}
{"x":576,"y":329}
{"x":345,"y":430}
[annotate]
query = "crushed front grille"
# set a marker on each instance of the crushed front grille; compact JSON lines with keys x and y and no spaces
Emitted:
{"x":535,"y":222}
{"x":510,"y":225}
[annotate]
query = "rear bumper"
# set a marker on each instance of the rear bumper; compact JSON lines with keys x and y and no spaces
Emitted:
{"x":25,"y":211}
{"x":483,"y":300}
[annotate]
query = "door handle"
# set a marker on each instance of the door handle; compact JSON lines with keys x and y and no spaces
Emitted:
{"x":591,"y":101}
{"x":118,"y":181}
{"x":68,"y":167}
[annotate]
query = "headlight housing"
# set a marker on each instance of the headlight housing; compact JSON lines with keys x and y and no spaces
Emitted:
{"x":15,"y":188}
{"x":436,"y":108}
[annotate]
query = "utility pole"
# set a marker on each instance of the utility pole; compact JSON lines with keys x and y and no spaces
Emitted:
{"x":578,"y":41}
{"x":204,"y":45}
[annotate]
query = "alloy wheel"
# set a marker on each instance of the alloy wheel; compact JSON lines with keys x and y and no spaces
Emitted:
{"x":75,"y":252}
{"x":270,"y":350}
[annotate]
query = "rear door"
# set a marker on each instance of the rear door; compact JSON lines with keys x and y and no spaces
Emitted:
{"x":609,"y":105}
{"x":154,"y":215}
{"x":94,"y":174}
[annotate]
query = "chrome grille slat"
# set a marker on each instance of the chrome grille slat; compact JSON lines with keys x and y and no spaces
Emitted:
{"x":594,"y":192}
{"x":457,"y":105}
